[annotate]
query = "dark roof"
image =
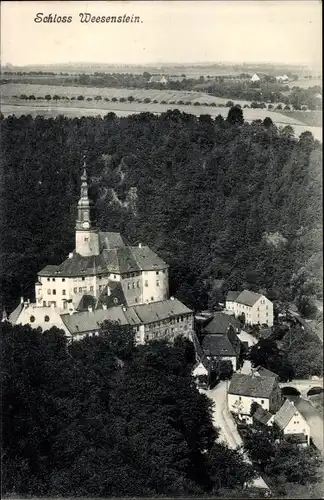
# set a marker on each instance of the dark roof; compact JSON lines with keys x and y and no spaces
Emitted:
{"x":296,"y":438}
{"x":232,"y":295}
{"x":112,"y":259}
{"x":116,"y":295}
{"x":266,"y":332}
{"x":85,"y":302}
{"x":248,"y":298}
{"x":251,"y":385}
{"x":220,"y":323}
{"x":86,"y":321}
{"x":261,"y":415}
{"x":221,"y":345}
{"x":285,"y":414}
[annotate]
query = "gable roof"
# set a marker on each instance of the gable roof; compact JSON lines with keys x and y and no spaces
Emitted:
{"x":85,"y":302}
{"x":248,"y":298}
{"x":285,"y":414}
{"x":232,"y":295}
{"x":116,"y":296}
{"x":220,"y":323}
{"x":263,"y":416}
{"x":110,"y":240}
{"x":221,"y":345}
{"x":251,"y":386}
{"x":13,"y":317}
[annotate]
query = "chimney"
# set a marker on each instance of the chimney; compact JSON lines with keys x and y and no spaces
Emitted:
{"x":140,"y":245}
{"x":171,"y":298}
{"x":108,"y":291}
{"x":104,"y":306}
{"x":71,"y":255}
{"x":71,"y":311}
{"x":90,"y":309}
{"x":21,"y":300}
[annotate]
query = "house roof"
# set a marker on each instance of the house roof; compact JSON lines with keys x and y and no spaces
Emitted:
{"x":85,"y":302}
{"x":263,"y":372}
{"x":285,"y":414}
{"x":220,"y":323}
{"x":157,"y":311}
{"x":261,"y":415}
{"x":111,"y":240}
{"x":221,"y":345}
{"x":116,"y":295}
{"x":232,"y":295}
{"x":13,"y":317}
{"x":248,"y":298}
{"x":86,"y":321}
{"x":251,"y":385}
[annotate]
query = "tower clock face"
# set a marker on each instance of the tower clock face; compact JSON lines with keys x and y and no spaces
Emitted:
{"x":85,"y":225}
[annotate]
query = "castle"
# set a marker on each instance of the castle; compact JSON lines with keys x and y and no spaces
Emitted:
{"x":104,"y":278}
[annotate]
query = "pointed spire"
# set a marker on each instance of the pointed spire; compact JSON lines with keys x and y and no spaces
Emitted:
{"x":84,"y":176}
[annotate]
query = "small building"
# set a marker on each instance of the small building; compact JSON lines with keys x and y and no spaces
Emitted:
{"x":202,"y":372}
{"x":158,"y":79}
{"x":220,"y":323}
{"x":226,"y":347}
{"x":292,"y":424}
{"x":247,"y":389}
{"x":257,"y":309}
{"x":255,"y":78}
{"x":263,"y":416}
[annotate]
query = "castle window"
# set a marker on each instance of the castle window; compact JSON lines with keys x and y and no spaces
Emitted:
{"x":128,"y":286}
{"x":115,"y":300}
{"x":262,"y":401}
{"x":80,"y":289}
{"x":146,"y":283}
{"x":115,"y":276}
{"x":54,"y":303}
{"x":157,"y":272}
{"x":63,"y":292}
{"x":54,"y":292}
{"x":75,"y":290}
{"x":133,"y":284}
{"x":83,"y":278}
{"x":138,"y":284}
{"x":48,"y":279}
{"x":53,"y":279}
{"x":44,"y":303}
{"x":46,"y":319}
{"x":157,"y":283}
{"x":163,"y":271}
{"x":32,"y":319}
{"x":64,"y":304}
{"x":63,"y":279}
{"x":91,"y":289}
{"x":152,"y":298}
{"x":136,"y":299}
{"x":49,"y":291}
{"x":86,"y":239}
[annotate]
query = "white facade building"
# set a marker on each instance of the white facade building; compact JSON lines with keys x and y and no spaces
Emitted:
{"x":257,"y":309}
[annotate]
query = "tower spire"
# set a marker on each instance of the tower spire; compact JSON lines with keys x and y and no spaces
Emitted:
{"x":87,"y":237}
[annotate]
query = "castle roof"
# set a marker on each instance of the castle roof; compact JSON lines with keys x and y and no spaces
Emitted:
{"x":87,"y":321}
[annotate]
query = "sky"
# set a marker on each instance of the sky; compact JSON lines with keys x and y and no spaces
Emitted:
{"x":188,"y":31}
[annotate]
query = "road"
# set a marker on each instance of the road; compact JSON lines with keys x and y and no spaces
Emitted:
{"x":308,"y":325}
{"x":223,"y":420}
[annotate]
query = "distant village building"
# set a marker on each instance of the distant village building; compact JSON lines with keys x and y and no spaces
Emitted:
{"x":255,"y":78}
{"x":282,"y":78}
{"x":255,"y":388}
{"x":257,"y":309}
{"x":105,"y":279}
{"x":158,"y":79}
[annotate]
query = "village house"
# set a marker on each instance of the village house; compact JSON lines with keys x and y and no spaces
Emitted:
{"x":247,"y":389}
{"x":292,"y":424}
{"x":255,"y":78}
{"x":158,"y":79}
{"x":225,"y":347}
{"x":220,"y":323}
{"x":101,"y":276}
{"x":257,"y":309}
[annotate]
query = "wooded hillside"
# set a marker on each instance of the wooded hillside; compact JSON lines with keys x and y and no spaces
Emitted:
{"x":214,"y":198}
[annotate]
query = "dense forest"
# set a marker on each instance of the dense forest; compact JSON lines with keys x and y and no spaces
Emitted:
{"x":215,"y":198}
{"x":101,"y":417}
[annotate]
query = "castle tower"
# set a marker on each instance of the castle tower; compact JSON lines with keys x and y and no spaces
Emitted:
{"x":86,"y":234}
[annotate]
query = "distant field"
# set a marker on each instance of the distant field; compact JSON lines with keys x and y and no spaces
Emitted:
{"x":306,"y":83}
{"x":311,"y":118}
{"x":7,"y":90}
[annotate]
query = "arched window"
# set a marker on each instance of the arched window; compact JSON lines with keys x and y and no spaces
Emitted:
{"x":32,"y":319}
{"x":46,"y":318}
